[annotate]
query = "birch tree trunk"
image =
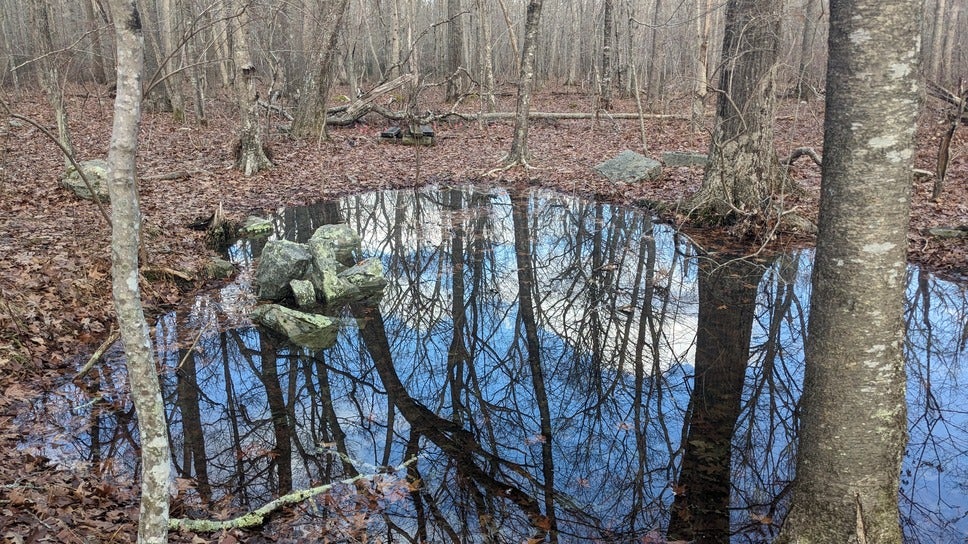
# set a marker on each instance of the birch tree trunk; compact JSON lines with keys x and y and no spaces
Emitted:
{"x":125,"y":241}
{"x":519,"y":145}
{"x":854,"y":424}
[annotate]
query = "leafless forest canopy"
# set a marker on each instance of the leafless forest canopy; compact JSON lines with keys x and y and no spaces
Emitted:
{"x":670,"y":48}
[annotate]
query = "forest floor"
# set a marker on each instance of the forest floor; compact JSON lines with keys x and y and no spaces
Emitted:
{"x":55,"y":305}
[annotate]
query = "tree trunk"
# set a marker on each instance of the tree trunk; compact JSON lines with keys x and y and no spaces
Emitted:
{"x":807,"y":85}
{"x":937,"y":40}
{"x":699,"y":90}
{"x":125,"y":241}
{"x":49,"y":75}
{"x":854,"y":420}
{"x":310,"y":118}
{"x":519,"y":145}
{"x":656,"y":58}
{"x":487,"y":58}
{"x":251,"y":156}
{"x":455,"y":49}
{"x":91,"y":15}
{"x":168,"y":12}
{"x":608,"y":28}
{"x":743,"y":171}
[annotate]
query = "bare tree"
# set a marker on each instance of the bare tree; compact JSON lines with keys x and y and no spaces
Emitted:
{"x":310,"y":118}
{"x":519,"y":145}
{"x":49,"y":75}
{"x":455,"y":49}
{"x":806,"y":85}
{"x":486,"y":57}
{"x":608,"y":29}
{"x":854,"y":425}
{"x":744,"y":171}
{"x":125,"y":242}
{"x":251,"y":157}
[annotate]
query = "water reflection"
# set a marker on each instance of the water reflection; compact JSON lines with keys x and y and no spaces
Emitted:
{"x":565,"y":370}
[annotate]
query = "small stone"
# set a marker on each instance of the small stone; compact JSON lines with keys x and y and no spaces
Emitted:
{"x":219,"y":269}
{"x":343,"y":239}
{"x":367,"y":275}
{"x":684,"y":158}
{"x":949,"y":232}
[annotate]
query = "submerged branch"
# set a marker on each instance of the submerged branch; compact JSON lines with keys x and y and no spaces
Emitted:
{"x":258,"y":517}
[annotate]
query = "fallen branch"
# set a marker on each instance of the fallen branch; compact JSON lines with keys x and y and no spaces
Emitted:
{"x":257,"y":517}
{"x":177,"y":174}
{"x":98,"y":353}
{"x":800,"y":152}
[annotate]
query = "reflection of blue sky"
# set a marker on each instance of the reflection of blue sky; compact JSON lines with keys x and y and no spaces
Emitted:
{"x":615,"y":441}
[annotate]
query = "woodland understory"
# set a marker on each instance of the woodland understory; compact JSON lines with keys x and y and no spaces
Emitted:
{"x":55,"y":305}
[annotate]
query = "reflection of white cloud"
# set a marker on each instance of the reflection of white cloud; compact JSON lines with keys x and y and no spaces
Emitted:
{"x":414,"y":230}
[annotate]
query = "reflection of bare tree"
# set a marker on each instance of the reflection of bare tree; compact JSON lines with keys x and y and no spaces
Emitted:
{"x":727,"y":299}
{"x":187,"y":402}
{"x":455,"y":369}
{"x":526,"y":287}
{"x":459,"y":444}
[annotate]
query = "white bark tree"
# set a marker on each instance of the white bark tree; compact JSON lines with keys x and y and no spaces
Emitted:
{"x":125,"y":241}
{"x":854,"y":424}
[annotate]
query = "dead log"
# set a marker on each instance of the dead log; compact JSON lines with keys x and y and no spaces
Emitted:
{"x":802,"y":152}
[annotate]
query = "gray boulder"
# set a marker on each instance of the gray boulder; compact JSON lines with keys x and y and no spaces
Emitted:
{"x":689,"y":159}
{"x":281,"y":262}
{"x":96,"y":172}
{"x":304,"y":329}
{"x":630,"y":167}
{"x":343,"y":239}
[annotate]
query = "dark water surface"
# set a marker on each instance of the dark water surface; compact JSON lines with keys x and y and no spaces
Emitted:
{"x":551,"y":364}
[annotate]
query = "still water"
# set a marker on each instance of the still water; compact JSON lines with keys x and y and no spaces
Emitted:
{"x":539,"y":361}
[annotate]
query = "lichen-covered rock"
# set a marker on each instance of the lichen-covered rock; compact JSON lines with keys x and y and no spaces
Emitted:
{"x":344,"y":240}
{"x":255,"y":226}
{"x":367,"y":275}
{"x":96,"y":172}
{"x":630,"y":167}
{"x":304,"y":329}
{"x":304,"y":293}
{"x":324,"y":271}
{"x":281,"y":261}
